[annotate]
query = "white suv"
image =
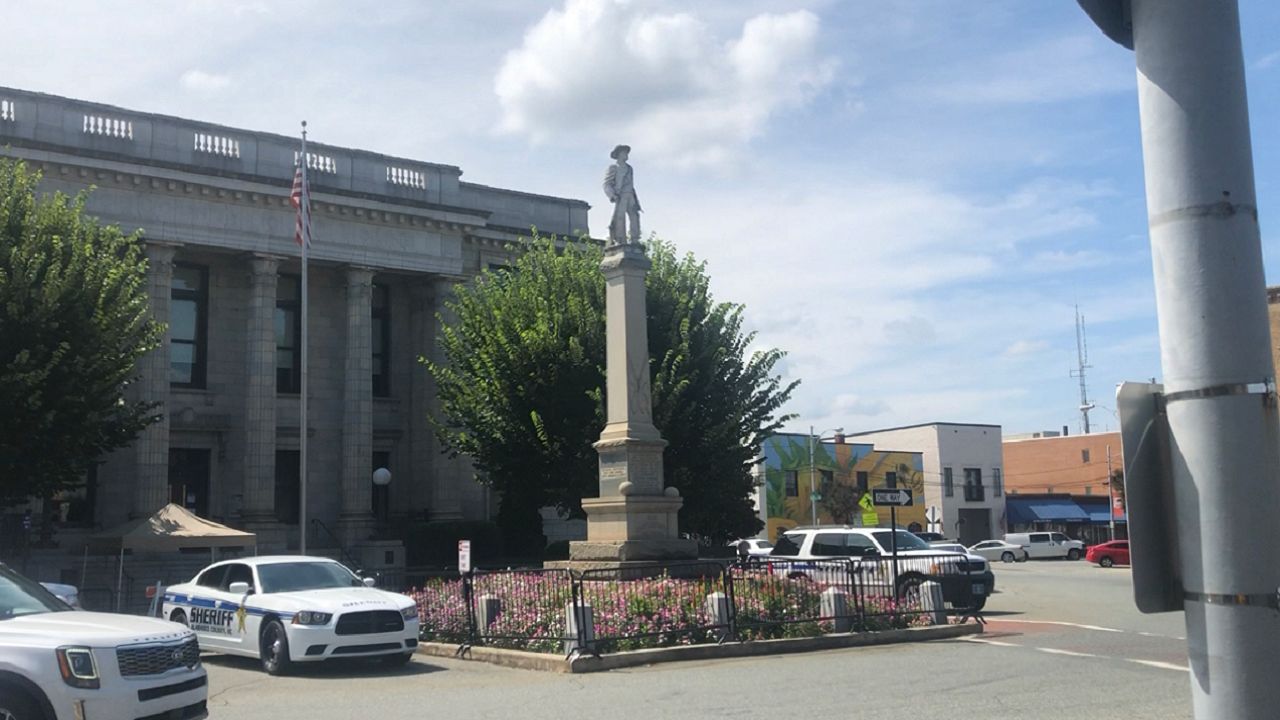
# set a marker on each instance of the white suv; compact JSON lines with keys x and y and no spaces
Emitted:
{"x":966,"y":579}
{"x":62,"y":664}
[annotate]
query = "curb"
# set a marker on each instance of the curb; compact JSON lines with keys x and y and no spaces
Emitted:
{"x":635,"y":658}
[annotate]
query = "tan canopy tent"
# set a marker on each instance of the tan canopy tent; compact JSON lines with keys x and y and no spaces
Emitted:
{"x":169,"y":529}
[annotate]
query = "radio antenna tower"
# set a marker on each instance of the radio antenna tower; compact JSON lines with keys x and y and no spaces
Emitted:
{"x":1082,"y":364}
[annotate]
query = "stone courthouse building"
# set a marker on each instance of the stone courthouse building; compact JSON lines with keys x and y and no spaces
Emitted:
{"x":391,"y":237}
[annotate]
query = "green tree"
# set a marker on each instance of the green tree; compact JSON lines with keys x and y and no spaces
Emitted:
{"x":840,"y":500}
{"x":74,"y":319}
{"x":521,"y":390}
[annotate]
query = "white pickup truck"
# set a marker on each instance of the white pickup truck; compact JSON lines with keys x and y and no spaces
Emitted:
{"x":62,"y":664}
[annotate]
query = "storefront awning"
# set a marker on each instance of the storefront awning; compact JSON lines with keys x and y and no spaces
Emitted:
{"x":1029,"y":510}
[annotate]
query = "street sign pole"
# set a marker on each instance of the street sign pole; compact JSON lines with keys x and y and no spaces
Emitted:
{"x":893,"y":544}
{"x":1219,"y":380}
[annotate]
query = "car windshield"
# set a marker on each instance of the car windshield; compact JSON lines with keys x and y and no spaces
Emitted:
{"x":906,"y":540}
{"x":20,"y":596}
{"x":294,"y":576}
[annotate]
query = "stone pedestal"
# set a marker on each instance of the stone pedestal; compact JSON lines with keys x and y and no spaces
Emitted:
{"x":635,"y":517}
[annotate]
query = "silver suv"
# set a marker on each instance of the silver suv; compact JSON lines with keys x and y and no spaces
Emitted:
{"x":966,"y":579}
{"x":57,"y":663}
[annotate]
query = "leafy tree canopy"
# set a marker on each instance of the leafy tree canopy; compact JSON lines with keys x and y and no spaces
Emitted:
{"x":74,"y":320}
{"x":521,"y":388}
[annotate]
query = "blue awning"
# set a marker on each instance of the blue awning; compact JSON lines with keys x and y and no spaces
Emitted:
{"x":1099,"y":510}
{"x":1029,"y":510}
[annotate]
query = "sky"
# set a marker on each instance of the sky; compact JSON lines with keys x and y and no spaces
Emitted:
{"x":909,"y":198}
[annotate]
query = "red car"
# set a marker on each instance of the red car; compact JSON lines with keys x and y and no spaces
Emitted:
{"x":1111,"y":553}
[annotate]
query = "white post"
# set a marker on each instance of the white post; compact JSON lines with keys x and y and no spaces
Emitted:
{"x":581,"y":635}
{"x":834,"y":604}
{"x":934,"y":604}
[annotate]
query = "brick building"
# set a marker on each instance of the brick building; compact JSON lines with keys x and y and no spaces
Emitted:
{"x":1061,"y":483}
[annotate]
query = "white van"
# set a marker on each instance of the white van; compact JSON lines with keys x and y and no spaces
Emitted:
{"x":1047,"y":545}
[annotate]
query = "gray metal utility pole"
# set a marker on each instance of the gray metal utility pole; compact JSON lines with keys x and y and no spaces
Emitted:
{"x":1219,"y":389}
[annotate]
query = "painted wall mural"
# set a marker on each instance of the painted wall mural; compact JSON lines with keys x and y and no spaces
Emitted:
{"x":842,"y":474}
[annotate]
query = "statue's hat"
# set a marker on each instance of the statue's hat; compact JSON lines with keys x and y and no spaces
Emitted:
{"x":620,"y":149}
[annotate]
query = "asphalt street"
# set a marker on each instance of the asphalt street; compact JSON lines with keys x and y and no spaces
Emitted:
{"x":1064,"y":641}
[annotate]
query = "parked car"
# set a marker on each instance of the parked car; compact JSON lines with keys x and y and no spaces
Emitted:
{"x":56,"y":664}
{"x":966,"y":580}
{"x":950,"y":547}
{"x":1111,"y":553}
{"x":756,"y":547}
{"x":288,"y":609}
{"x":1047,"y":545}
{"x":1000,"y":550}
{"x":931,"y":537}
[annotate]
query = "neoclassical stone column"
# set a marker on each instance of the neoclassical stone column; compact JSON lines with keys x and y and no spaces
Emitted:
{"x":422,"y":441}
{"x":355,"y":521}
{"x":260,"y":393}
{"x":447,"y":473}
{"x":151,"y":485}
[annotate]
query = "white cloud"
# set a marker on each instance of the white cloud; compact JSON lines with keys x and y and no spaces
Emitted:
{"x":857,"y":405}
{"x":203,"y":82}
{"x":1025,"y":347}
{"x":661,"y":82}
{"x":1267,"y":61}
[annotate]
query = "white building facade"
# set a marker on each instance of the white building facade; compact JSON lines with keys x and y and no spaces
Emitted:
{"x":963,"y":471}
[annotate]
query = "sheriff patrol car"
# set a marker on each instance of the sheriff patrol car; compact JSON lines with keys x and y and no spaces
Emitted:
{"x":291,"y":608}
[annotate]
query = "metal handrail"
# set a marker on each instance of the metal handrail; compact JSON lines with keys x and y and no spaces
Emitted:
{"x":351,"y":561}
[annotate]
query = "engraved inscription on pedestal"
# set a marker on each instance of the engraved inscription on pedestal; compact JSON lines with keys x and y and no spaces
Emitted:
{"x":613,"y":471}
{"x":646,"y":472}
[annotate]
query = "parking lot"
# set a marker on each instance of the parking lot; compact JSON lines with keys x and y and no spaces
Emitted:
{"x":1064,"y":641}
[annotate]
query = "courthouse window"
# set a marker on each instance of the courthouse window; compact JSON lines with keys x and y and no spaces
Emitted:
{"x":288,"y":486}
{"x":288,"y":334}
{"x":188,"y":311}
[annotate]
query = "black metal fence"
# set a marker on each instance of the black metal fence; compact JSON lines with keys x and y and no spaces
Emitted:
{"x":690,"y":603}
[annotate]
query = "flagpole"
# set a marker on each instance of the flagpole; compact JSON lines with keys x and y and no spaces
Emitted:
{"x":302,"y":404}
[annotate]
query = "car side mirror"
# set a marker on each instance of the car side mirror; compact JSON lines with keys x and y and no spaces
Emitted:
{"x":240,"y":588}
{"x":368,"y":582}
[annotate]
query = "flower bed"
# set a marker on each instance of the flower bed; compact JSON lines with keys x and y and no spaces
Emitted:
{"x":644,"y":613}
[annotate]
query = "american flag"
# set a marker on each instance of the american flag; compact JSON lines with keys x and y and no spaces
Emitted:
{"x":300,"y":198}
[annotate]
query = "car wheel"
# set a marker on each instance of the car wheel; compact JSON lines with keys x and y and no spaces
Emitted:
{"x":1073,"y":554}
{"x":1106,"y":562}
{"x":909,"y":588}
{"x":275,"y":649}
{"x":397,"y":660}
{"x":16,"y":705}
{"x":179,"y":617}
{"x":978,"y":603}
{"x":1007,"y":556}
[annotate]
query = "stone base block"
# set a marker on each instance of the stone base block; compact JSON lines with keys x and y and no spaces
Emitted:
{"x":633,"y":550}
{"x":632,"y":518}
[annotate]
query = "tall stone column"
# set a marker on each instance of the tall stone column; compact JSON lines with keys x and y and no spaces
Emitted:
{"x":448,"y":473}
{"x":635,"y":517}
{"x":151,"y":488}
{"x":422,"y":442}
{"x":355,"y":521}
{"x":260,"y":394}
